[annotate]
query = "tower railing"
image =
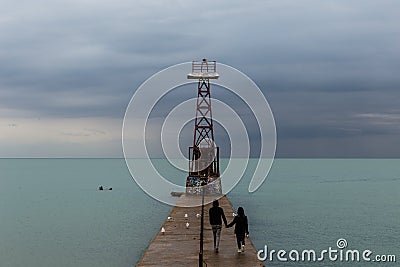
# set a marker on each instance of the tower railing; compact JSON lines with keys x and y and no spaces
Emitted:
{"x":204,"y":66}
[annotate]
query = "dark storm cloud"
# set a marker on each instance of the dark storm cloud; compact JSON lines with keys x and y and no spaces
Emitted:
{"x":323,"y":65}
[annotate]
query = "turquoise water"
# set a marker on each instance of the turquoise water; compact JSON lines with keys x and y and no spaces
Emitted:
{"x":311,"y":203}
{"x":53,"y":215}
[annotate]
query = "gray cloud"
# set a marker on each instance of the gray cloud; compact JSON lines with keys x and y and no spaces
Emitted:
{"x":323,"y":65}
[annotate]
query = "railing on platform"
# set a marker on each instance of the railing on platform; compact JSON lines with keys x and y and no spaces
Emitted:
{"x":204,"y":66}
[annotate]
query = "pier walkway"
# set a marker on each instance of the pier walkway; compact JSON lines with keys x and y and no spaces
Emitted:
{"x":179,"y":245}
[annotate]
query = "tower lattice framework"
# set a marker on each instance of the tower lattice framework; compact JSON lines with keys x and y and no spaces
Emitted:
{"x":204,"y":154}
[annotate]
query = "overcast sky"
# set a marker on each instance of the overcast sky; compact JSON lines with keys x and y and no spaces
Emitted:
{"x":329,"y":69}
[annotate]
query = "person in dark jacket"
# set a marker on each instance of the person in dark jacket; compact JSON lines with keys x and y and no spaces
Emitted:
{"x":241,"y":228}
{"x":216,"y":215}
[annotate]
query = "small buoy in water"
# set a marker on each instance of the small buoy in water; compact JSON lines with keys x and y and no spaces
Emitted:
{"x":100,"y":187}
{"x":186,"y":215}
{"x":187,"y":225}
{"x":162,"y":230}
{"x":198,"y":215}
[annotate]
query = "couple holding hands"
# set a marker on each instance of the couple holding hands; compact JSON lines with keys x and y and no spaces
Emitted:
{"x":216,"y":215}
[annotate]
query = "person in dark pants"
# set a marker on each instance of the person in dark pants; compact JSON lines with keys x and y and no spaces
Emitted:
{"x":216,"y":215}
{"x":241,"y":228}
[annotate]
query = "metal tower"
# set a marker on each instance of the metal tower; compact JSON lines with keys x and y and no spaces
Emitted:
{"x":204,"y":154}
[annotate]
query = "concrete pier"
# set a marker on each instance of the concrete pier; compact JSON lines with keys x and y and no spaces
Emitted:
{"x":179,"y":245}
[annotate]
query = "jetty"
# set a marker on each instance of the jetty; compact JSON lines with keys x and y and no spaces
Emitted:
{"x":177,"y":242}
